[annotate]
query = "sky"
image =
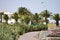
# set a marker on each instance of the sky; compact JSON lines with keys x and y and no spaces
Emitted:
{"x":35,"y":6}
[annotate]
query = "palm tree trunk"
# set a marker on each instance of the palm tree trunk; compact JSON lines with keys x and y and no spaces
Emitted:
{"x":46,"y":20}
{"x":57,"y":23}
{"x":6,"y":21}
{"x":1,"y":18}
{"x":16,"y":21}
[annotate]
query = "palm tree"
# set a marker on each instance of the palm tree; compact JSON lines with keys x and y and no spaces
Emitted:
{"x":26,"y":19}
{"x":15,"y":17}
{"x":36,"y":17}
{"x":56,"y":18}
{"x":1,"y":13}
{"x":46,"y":14}
{"x":6,"y":17}
{"x":22,"y":13}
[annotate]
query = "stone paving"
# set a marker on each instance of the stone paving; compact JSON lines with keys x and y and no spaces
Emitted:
{"x":29,"y":36}
{"x":40,"y":35}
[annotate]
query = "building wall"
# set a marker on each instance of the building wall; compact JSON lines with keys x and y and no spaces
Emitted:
{"x":11,"y":20}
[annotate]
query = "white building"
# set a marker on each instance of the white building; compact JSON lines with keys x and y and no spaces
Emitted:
{"x":10,"y":21}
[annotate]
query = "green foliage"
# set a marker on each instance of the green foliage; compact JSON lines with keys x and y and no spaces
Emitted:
{"x":12,"y":32}
{"x":36,"y":17}
{"x":43,"y":26}
{"x":26,"y":19}
{"x":46,"y":14}
{"x":5,"y":33}
{"x":23,"y":11}
{"x":6,"y":17}
{"x":15,"y":17}
{"x":38,"y":27}
{"x":9,"y":32}
{"x":1,"y":13}
{"x":56,"y":17}
{"x":24,"y":14}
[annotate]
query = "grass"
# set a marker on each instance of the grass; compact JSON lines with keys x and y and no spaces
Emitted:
{"x":50,"y":25}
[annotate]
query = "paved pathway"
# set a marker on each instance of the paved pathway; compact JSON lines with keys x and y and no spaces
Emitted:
{"x":43,"y":34}
{"x":30,"y":36}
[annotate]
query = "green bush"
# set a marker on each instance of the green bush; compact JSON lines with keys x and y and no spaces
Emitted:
{"x":12,"y":32}
{"x":43,"y":26}
{"x":5,"y":33}
{"x":38,"y":27}
{"x":9,"y":32}
{"x":25,"y":28}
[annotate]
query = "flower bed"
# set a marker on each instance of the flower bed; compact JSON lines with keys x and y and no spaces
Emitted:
{"x":52,"y":38}
{"x":55,"y":33}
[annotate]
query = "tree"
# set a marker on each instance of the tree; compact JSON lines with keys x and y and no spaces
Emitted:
{"x":1,"y":13}
{"x":36,"y":17}
{"x":6,"y":17}
{"x":24,"y":14}
{"x":23,"y":11}
{"x":56,"y":18}
{"x":46,"y":14}
{"x":26,"y":19}
{"x":15,"y":17}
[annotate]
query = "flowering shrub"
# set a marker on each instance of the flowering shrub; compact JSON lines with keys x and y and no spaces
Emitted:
{"x":54,"y":33}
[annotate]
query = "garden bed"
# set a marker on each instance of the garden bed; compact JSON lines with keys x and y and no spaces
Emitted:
{"x":52,"y":38}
